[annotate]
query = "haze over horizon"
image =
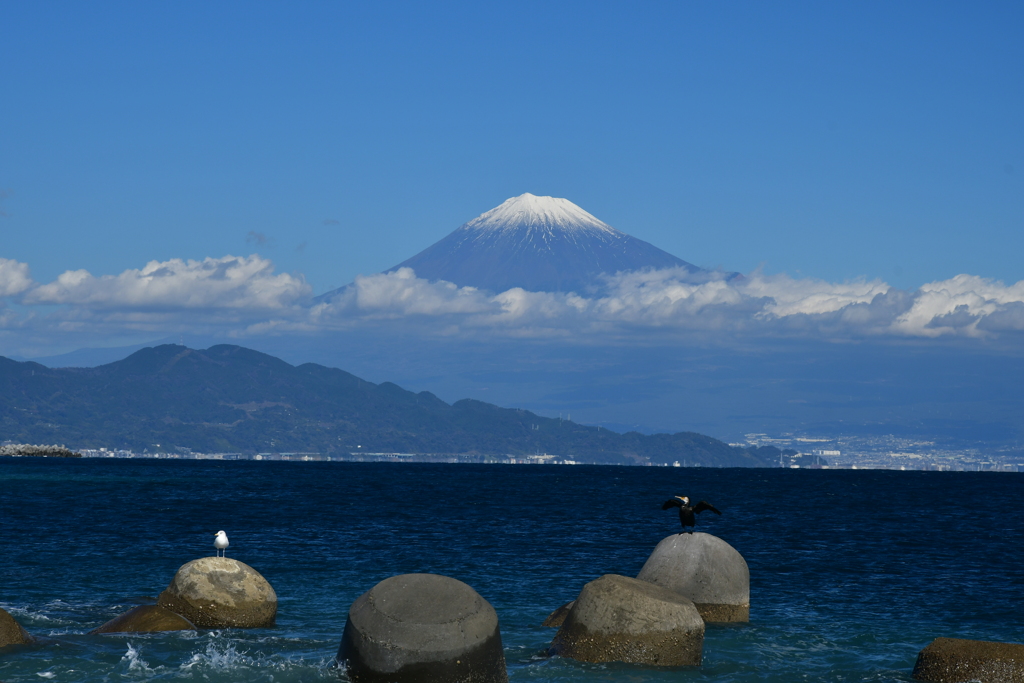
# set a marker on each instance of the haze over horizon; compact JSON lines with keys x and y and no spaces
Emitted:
{"x":203,"y":173}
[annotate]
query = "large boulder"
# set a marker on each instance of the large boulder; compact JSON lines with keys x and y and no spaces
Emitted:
{"x":620,"y":619}
{"x":707,"y":570}
{"x":422,"y":628}
{"x":11,"y":632}
{"x":953,"y":660}
{"x":221,"y":592}
{"x":146,"y":619}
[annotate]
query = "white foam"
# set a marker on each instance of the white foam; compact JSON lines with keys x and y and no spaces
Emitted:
{"x":218,"y":657}
{"x":133,"y":658}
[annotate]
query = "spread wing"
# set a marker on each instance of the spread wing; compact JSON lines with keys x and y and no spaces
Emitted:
{"x":674,"y":503}
{"x":704,"y":505}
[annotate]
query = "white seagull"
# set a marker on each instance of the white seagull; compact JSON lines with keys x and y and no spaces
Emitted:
{"x":220,"y":542}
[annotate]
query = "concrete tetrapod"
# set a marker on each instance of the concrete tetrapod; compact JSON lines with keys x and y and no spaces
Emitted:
{"x":954,"y":660}
{"x":221,"y":592}
{"x":707,"y":570}
{"x":557,"y":618}
{"x":11,"y":632}
{"x":620,"y":619}
{"x":422,"y":628}
{"x":145,"y":619}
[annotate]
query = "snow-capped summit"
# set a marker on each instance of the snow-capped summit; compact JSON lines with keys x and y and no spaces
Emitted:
{"x":538,"y":213}
{"x":540,"y":244}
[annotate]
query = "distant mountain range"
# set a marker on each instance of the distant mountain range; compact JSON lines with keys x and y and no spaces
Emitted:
{"x":231,"y":399}
{"x":539,"y":244}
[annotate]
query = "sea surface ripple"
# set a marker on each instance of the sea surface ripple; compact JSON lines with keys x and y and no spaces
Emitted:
{"x":852,"y":572}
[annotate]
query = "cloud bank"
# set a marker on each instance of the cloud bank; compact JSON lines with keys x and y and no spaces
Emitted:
{"x":243,"y":296}
{"x":964,"y":306}
{"x":214,"y":283}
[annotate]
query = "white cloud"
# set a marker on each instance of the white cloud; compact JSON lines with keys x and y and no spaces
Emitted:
{"x":14,"y":277}
{"x":668,"y":299}
{"x":808,"y":296}
{"x":440,"y":307}
{"x":659,"y":296}
{"x":214,"y":283}
{"x":958,"y":306}
{"x":243,"y":297}
{"x":401,"y":293}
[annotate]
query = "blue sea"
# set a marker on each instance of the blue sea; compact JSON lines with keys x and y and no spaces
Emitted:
{"x":852,"y":572}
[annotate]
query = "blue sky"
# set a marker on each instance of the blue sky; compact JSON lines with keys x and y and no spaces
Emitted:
{"x":820,"y":142}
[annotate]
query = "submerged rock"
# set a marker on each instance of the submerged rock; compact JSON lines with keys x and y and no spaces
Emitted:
{"x":146,"y":619}
{"x":221,"y":592}
{"x":422,"y":628}
{"x":954,"y":660}
{"x":705,"y":569}
{"x":11,"y":632}
{"x":617,"y":618}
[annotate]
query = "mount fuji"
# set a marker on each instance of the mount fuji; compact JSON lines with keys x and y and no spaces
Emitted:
{"x":540,"y":244}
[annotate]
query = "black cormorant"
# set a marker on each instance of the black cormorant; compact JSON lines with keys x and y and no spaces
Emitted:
{"x":687,"y":512}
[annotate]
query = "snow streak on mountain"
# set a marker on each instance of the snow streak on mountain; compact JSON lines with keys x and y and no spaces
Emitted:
{"x":539,"y":244}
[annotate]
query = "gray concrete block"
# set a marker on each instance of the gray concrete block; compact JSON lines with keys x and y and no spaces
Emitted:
{"x":705,"y":569}
{"x":422,"y":628}
{"x":221,"y":592}
{"x":145,"y":619}
{"x":557,"y":618}
{"x":954,"y":660}
{"x":621,"y":619}
{"x":11,"y":632}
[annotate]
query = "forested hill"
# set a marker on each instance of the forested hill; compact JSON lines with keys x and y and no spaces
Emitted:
{"x":232,"y":399}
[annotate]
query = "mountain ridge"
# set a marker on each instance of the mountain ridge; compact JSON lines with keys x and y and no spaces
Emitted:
{"x":232,"y":399}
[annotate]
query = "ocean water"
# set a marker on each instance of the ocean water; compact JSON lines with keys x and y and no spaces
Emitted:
{"x":852,"y":572}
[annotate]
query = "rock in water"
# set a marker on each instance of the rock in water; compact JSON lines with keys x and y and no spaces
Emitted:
{"x":422,"y":628}
{"x":619,"y":619}
{"x":953,"y":660}
{"x":11,"y":632}
{"x":146,"y":619}
{"x":221,"y":592}
{"x":557,"y":618}
{"x":707,"y":570}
